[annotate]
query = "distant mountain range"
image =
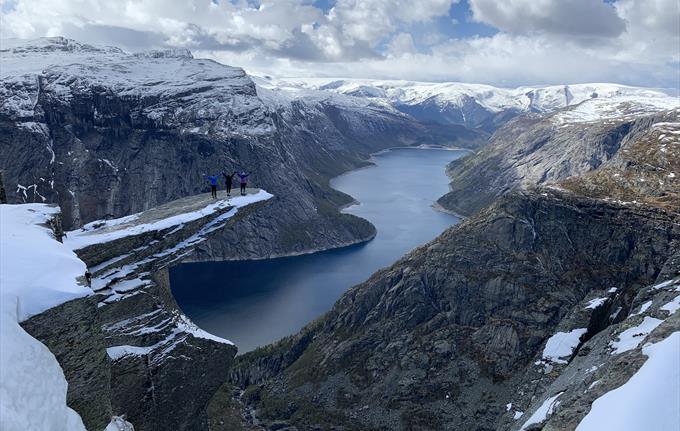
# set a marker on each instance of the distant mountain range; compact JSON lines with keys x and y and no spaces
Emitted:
{"x":484,"y":106}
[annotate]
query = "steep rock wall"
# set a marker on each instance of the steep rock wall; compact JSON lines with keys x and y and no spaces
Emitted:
{"x":435,"y":341}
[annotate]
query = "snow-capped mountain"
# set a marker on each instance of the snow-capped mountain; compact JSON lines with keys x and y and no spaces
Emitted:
{"x":484,"y":106}
{"x":178,"y":90}
{"x":105,"y":133}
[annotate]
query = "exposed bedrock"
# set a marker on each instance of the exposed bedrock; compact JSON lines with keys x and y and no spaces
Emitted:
{"x":536,"y":149}
{"x":102,"y":145}
{"x":437,"y":341}
{"x":128,"y":350}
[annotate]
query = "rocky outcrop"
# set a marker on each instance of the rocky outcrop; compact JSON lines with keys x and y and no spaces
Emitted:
{"x":511,"y":319}
{"x":602,"y":361}
{"x":535,"y":149}
{"x":645,"y":172}
{"x":104,"y":134}
{"x":438,"y":342}
{"x":3,"y":194}
{"x":72,"y":332}
{"x":128,"y":350}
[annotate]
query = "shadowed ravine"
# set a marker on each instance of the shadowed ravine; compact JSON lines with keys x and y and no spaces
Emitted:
{"x":257,"y":302}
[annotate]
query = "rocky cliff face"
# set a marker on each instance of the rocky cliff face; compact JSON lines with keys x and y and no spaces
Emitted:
{"x":104,"y":134}
{"x":128,"y":350}
{"x":535,"y":149}
{"x":435,"y":341}
{"x":576,"y":278}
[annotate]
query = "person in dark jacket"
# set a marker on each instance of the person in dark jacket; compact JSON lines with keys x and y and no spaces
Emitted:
{"x":228,"y":179}
{"x":243,"y":176}
{"x":213,"y":184}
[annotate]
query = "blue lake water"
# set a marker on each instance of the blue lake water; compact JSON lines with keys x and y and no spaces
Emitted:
{"x":254,"y":303}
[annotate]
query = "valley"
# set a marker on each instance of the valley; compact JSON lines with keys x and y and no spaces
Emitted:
{"x":358,"y":300}
{"x":257,"y":302}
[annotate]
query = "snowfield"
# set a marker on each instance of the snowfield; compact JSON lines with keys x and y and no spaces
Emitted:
{"x":36,"y":273}
{"x":198,"y":94}
{"x":650,"y":400}
{"x":603,"y":100}
{"x":632,"y":337}
{"x":101,"y":231}
{"x":619,"y":107}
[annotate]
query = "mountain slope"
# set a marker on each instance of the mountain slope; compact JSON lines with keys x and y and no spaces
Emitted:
{"x":476,"y":105}
{"x":538,"y":149}
{"x":104,"y":133}
{"x":439,"y":341}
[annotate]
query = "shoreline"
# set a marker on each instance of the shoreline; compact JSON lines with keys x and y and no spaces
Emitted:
{"x":294,"y":254}
{"x":438,"y":207}
{"x":341,"y":208}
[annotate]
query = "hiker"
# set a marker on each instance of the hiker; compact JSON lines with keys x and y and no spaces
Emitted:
{"x":213,"y":184}
{"x":88,"y":278}
{"x":244,"y":181}
{"x":228,"y":180}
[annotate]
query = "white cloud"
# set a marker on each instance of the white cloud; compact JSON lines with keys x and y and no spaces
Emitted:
{"x":653,"y":30}
{"x":539,"y":41}
{"x":575,"y":18}
{"x":401,"y":44}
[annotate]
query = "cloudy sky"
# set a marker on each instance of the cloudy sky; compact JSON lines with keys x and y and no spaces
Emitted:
{"x":505,"y":43}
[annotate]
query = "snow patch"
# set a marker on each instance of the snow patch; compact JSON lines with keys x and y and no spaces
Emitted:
{"x":672,"y":306}
{"x":118,"y":352}
{"x":644,"y":307}
{"x":562,"y":345}
{"x":546,"y":409}
{"x":665,"y":284}
{"x":187,"y":326}
{"x":119,"y":424}
{"x":649,"y":400}
{"x":632,"y":337}
{"x":594,"y":303}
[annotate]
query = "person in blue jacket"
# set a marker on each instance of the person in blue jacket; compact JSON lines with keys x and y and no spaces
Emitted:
{"x":213,"y":184}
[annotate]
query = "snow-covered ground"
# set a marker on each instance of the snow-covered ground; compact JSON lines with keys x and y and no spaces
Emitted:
{"x":604,"y":100}
{"x":101,"y":231}
{"x":632,"y":337}
{"x":545,"y":410}
{"x":622,"y":106}
{"x":36,"y":273}
{"x":199,"y":94}
{"x":650,"y":400}
{"x":560,"y":346}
